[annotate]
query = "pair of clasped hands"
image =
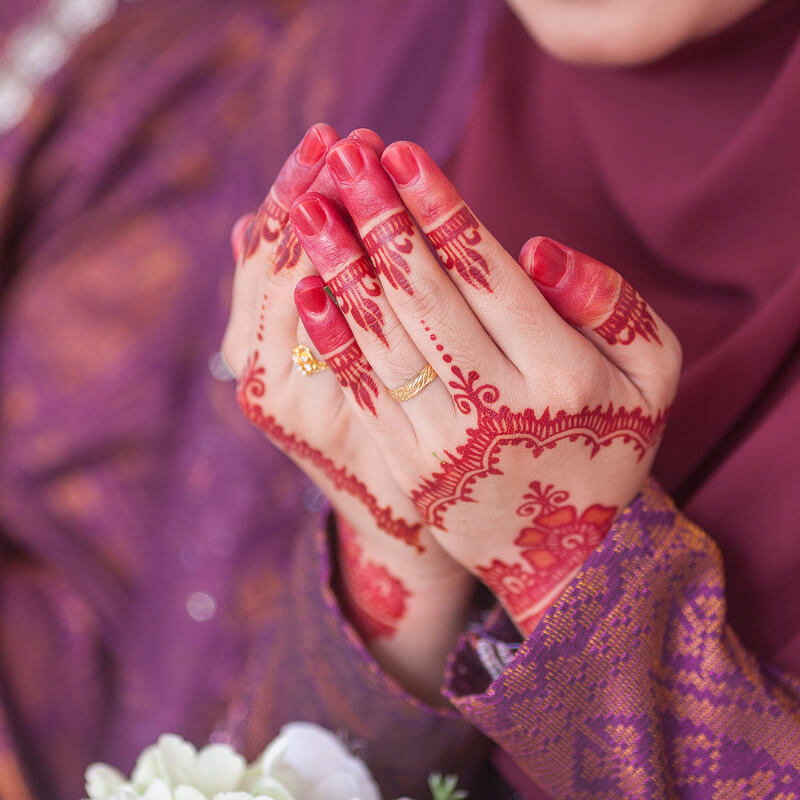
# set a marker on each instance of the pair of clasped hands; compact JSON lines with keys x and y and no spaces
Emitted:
{"x":509,"y":460}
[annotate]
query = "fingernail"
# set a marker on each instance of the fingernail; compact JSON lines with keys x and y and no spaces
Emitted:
{"x":237,"y":234}
{"x":309,"y":217}
{"x":550,"y":262}
{"x":347,"y":162}
{"x":368,"y":138}
{"x":311,"y":149}
{"x":400,"y":162}
{"x":311,"y":300}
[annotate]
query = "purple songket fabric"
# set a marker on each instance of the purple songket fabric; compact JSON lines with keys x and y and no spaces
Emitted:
{"x":163,"y":568}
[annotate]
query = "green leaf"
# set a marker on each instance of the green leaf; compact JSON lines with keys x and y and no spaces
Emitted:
{"x":330,"y":293}
{"x":443,"y":787}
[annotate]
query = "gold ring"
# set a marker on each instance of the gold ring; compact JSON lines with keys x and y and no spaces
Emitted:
{"x":305,"y":362}
{"x":413,"y":387}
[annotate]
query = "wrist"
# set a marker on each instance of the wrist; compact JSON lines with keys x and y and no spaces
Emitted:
{"x":409,"y":613}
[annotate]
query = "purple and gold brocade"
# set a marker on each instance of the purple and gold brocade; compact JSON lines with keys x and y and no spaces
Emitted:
{"x":633,"y":685}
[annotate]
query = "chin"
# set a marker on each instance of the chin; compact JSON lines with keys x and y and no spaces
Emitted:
{"x":623,"y":32}
{"x":626,"y":49}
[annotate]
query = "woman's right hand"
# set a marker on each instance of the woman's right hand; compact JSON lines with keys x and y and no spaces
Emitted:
{"x":402,"y":591}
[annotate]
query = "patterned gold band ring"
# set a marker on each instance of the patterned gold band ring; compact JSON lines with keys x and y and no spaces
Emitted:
{"x":305,"y":361}
{"x":413,"y":387}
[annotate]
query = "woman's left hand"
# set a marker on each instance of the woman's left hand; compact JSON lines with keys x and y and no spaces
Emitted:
{"x":555,"y":376}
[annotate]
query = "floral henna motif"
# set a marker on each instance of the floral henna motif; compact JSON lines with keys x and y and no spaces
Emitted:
{"x":558,"y":540}
{"x":555,"y":544}
{"x":269,"y":221}
{"x":454,"y":240}
{"x":353,"y":372}
{"x":499,"y":427}
{"x":629,"y":319}
{"x":288,"y":250}
{"x":387,"y":244}
{"x":374,"y":598}
{"x":517,"y":589}
{"x":354,"y":287}
{"x":512,"y":584}
{"x":250,"y":389}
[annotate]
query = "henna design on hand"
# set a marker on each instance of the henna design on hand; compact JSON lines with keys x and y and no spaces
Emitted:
{"x":250,"y":389}
{"x":353,"y":372}
{"x":354,"y":287}
{"x":287,"y":251}
{"x":386,"y":244}
{"x":270,"y":219}
{"x":453,"y":241}
{"x":555,"y":544}
{"x":374,"y":599}
{"x":629,"y":318}
{"x":515,"y":587}
{"x":498,"y":427}
{"x":558,"y":539}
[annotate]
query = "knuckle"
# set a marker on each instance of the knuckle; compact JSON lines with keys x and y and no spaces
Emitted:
{"x":573,"y":383}
{"x":427,"y":300}
{"x":393,"y":330}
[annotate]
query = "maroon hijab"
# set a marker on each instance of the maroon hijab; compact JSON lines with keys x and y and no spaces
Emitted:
{"x":685,"y":176}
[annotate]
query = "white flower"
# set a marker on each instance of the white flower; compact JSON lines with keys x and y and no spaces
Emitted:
{"x":305,"y":762}
{"x":215,"y":769}
{"x":102,"y":781}
{"x":313,"y":764}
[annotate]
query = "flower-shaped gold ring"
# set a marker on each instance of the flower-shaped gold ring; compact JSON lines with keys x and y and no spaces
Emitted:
{"x":305,"y":361}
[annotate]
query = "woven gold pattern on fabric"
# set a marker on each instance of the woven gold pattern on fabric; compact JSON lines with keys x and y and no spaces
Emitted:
{"x":633,"y":685}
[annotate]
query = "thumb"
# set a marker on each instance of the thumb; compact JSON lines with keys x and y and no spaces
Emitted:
{"x":609,"y":312}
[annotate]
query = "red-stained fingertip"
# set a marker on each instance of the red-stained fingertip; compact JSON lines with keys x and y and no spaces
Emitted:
{"x":310,"y":296}
{"x":369,"y":138}
{"x":580,"y":288}
{"x":346,"y":161}
{"x":322,"y":319}
{"x":401,"y":163}
{"x":549,"y":263}
{"x":309,"y":216}
{"x":312,"y":148}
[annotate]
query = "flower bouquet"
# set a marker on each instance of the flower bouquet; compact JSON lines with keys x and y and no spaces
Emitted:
{"x":305,"y":762}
